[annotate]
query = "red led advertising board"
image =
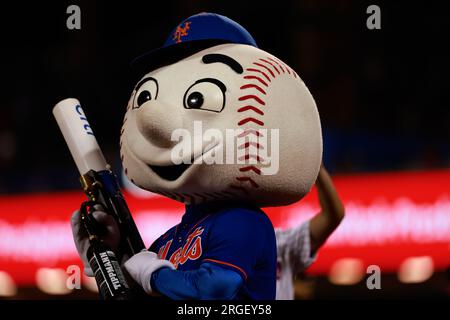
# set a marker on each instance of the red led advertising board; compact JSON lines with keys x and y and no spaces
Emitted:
{"x":389,"y":218}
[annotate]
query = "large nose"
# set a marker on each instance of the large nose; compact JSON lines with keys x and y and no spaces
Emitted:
{"x":157,"y":120}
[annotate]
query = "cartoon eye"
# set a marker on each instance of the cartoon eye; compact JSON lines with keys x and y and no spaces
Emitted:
{"x":205,"y":94}
{"x":146,"y":90}
{"x":195,"y":100}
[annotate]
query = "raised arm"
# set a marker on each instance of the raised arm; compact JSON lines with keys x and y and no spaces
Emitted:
{"x":332,"y":211}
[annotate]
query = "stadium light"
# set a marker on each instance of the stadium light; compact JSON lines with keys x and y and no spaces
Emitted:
{"x":8,"y":287}
{"x":416,"y":269}
{"x":346,"y":271}
{"x":52,"y":281}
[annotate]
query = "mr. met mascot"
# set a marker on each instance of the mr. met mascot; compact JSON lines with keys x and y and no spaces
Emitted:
{"x":226,"y":128}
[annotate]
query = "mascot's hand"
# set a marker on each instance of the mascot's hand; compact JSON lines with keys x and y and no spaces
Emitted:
{"x":110,"y":235}
{"x":142,"y":265}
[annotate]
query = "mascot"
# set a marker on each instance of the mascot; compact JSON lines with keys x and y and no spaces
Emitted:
{"x":226,"y":128}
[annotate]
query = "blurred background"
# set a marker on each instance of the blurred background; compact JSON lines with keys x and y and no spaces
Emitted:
{"x":383,"y":97}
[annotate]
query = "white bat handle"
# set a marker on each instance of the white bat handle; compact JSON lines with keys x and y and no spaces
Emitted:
{"x":79,"y":136}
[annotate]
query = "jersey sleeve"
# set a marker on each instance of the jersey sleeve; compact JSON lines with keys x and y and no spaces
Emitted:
{"x":237,"y":239}
{"x":209,"y":282}
{"x":295,"y":245}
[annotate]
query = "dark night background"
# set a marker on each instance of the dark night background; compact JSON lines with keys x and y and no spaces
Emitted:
{"x":383,"y":95}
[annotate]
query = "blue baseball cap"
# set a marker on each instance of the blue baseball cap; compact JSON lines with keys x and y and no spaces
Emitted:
{"x":193,"y":34}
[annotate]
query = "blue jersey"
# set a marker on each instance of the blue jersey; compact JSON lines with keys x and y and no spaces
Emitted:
{"x":235,"y":237}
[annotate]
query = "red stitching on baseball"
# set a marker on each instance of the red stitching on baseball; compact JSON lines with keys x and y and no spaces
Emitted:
{"x":190,"y":197}
{"x":171,"y":195}
{"x":256,"y":78}
{"x":265,"y":67}
{"x":279,"y":65}
{"x":181,"y":200}
{"x":248,"y":168}
{"x":263,"y":60}
{"x":251,"y":108}
{"x":181,"y":196}
{"x":250,"y":131}
{"x":285,"y":65}
{"x":293,"y":72}
{"x":248,"y":156}
{"x":244,"y":121}
{"x":289,"y":68}
{"x":165,"y":194}
{"x":177,"y":196}
{"x":252,"y":96}
{"x":251,"y":85}
{"x":201,"y":196}
{"x":259,"y":71}
{"x":174,"y":197}
{"x":248,"y":179}
{"x":248,"y":144}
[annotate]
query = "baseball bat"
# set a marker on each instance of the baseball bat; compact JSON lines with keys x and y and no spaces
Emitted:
{"x":79,"y":136}
{"x":97,"y":179}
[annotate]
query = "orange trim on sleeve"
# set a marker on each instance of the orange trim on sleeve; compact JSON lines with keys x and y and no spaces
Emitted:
{"x":228,"y":264}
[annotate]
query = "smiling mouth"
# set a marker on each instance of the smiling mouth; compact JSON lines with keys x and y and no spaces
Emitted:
{"x":173,"y":172}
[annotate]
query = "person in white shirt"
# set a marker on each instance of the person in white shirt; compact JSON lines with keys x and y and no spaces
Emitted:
{"x":297,"y":247}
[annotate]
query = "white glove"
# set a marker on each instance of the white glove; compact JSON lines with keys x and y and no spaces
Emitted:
{"x":111,"y":235}
{"x":142,"y":265}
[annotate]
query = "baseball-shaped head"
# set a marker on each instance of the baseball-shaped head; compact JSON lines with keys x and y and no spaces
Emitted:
{"x":230,"y":122}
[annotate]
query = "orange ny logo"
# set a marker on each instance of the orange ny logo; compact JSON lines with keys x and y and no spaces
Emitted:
{"x":181,"y":32}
